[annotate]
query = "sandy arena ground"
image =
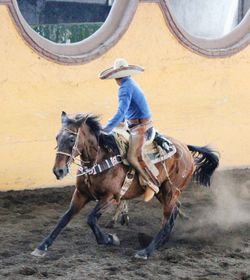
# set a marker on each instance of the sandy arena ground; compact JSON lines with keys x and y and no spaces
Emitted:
{"x":214,"y":243}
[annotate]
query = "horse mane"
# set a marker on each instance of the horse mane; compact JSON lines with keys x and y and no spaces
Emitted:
{"x":93,"y":122}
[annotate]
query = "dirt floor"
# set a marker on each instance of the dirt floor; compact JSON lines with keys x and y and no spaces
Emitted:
{"x":214,"y":243}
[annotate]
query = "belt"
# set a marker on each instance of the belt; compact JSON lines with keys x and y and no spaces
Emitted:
{"x":134,"y":122}
{"x":138,"y":121}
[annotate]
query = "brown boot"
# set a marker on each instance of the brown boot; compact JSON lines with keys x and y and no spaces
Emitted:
{"x":150,"y":191}
{"x":148,"y":194}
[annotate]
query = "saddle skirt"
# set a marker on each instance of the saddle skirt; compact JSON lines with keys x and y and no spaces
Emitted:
{"x":156,"y":149}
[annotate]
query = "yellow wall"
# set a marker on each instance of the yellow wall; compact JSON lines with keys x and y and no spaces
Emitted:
{"x":196,"y":99}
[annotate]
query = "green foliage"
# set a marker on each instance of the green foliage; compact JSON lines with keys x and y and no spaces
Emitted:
{"x":62,"y":33}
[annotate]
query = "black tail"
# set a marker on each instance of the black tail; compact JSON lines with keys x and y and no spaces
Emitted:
{"x":206,"y":161}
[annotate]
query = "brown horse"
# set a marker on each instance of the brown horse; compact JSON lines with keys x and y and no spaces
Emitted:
{"x":81,"y":135}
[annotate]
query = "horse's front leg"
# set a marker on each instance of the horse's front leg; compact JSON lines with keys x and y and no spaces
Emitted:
{"x":77,"y":203}
{"x":101,"y":237}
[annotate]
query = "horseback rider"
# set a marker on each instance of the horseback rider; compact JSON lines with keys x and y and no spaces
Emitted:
{"x":133,"y":108}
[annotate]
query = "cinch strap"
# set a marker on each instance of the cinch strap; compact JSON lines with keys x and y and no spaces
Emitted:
{"x":127,"y":182}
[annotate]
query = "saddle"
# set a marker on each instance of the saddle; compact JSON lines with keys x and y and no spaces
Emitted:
{"x":157,"y":147}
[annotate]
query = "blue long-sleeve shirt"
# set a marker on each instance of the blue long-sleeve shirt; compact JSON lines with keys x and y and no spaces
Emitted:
{"x":132,"y":104}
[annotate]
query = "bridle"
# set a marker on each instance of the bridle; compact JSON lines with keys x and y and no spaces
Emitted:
{"x":83,"y":170}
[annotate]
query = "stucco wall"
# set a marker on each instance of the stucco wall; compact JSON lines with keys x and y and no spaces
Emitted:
{"x":197,"y":99}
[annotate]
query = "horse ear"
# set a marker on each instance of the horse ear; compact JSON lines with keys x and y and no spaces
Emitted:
{"x":64,"y":117}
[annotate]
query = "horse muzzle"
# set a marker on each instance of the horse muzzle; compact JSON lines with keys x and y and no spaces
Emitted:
{"x":60,"y":173}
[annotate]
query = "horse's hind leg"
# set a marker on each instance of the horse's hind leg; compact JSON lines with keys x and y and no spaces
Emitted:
{"x":121,"y":210}
{"x":101,"y":237}
{"x":170,"y":211}
{"x":161,"y":238}
{"x":77,"y":203}
{"x":124,"y":214}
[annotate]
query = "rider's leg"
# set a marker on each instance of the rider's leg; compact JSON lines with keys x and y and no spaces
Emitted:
{"x":135,"y":157}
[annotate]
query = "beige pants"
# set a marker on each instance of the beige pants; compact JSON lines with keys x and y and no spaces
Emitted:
{"x":136,"y":154}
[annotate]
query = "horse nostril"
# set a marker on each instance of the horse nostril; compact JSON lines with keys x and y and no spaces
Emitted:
{"x":60,"y":172}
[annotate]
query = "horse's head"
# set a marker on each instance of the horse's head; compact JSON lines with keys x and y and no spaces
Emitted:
{"x":76,"y":131}
{"x":66,"y":139}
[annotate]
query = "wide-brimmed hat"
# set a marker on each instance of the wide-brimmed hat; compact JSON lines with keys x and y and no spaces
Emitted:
{"x":120,"y":69}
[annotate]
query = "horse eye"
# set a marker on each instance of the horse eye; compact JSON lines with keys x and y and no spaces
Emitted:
{"x":72,"y":140}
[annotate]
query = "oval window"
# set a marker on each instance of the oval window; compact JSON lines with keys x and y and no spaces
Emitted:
{"x":65,"y":21}
{"x":209,"y":18}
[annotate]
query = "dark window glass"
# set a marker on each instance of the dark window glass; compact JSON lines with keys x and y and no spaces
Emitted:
{"x":65,"y":21}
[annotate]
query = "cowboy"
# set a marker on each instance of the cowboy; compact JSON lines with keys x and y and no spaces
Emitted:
{"x":133,"y":108}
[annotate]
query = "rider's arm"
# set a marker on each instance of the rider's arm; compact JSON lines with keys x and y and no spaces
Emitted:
{"x":125,"y":96}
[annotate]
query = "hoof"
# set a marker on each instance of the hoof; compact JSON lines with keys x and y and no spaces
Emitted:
{"x":115,"y":240}
{"x":141,"y":255}
{"x":38,"y":253}
{"x":125,"y":220}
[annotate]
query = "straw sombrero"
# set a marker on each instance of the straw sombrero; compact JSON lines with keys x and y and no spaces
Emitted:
{"x":120,"y":69}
